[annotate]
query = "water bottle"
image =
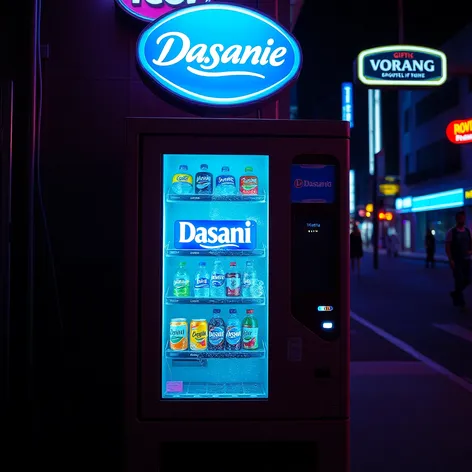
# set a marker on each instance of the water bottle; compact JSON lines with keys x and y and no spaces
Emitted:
{"x":216,"y":332}
{"x":182,"y":182}
{"x":225,"y":183}
{"x":202,"y":282}
{"x":204,"y":181}
{"x":233,"y":338}
{"x":181,"y":285}
{"x":233,"y":281}
{"x":250,"y":331}
{"x":217,"y":283}
{"x":249,"y":279}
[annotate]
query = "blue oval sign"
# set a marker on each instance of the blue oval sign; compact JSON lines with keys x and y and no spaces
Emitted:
{"x":401,"y":66}
{"x":219,"y":55}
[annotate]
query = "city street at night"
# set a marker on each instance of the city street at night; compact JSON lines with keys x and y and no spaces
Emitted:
{"x":411,"y":371}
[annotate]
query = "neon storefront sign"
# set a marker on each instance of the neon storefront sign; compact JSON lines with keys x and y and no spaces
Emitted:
{"x":347,"y":109}
{"x":460,"y":131}
{"x":150,"y":10}
{"x":402,"y":66}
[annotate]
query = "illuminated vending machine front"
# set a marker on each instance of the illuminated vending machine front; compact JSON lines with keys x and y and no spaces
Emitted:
{"x":227,"y":218}
{"x":237,"y":295}
{"x":215,"y":311}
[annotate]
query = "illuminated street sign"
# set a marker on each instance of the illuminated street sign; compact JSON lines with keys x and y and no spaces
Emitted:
{"x":347,"y":106}
{"x":389,"y":186}
{"x":352,"y":191}
{"x":459,"y":131}
{"x":468,"y":196}
{"x":402,"y":66}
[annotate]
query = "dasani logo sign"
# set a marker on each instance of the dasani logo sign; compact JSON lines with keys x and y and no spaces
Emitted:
{"x":300,"y":183}
{"x":219,"y":55}
{"x":209,"y":234}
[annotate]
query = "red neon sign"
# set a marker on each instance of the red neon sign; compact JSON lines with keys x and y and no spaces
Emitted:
{"x":460,"y":131}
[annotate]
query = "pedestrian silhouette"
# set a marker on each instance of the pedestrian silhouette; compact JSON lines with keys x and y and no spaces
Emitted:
{"x":430,"y":247}
{"x":459,"y":250}
{"x":356,"y":249}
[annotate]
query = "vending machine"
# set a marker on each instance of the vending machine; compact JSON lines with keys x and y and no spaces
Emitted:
{"x":237,"y":295}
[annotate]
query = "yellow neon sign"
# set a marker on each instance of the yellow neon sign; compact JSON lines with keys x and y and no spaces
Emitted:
{"x":389,"y":189}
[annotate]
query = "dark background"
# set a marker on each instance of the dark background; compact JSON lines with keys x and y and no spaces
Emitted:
{"x":67,"y":379}
{"x":66,"y":355}
{"x":333,"y":33}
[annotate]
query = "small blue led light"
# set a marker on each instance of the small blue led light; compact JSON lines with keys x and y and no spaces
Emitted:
{"x":328,"y":325}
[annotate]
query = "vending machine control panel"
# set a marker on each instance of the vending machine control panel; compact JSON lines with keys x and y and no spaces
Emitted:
{"x":315,"y":240}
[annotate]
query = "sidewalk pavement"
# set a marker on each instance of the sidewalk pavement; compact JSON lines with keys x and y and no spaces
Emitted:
{"x":411,"y":397}
{"x":408,"y":418}
{"x":407,"y":414}
{"x":411,"y":254}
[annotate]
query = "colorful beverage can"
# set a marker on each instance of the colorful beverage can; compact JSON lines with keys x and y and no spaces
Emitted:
{"x":198,"y":335}
{"x":178,"y":334}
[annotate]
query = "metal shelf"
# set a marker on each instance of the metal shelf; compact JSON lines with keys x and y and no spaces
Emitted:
{"x":171,"y":300}
{"x":242,"y":354}
{"x":218,"y":390}
{"x":173,"y":198}
{"x":214,"y":253}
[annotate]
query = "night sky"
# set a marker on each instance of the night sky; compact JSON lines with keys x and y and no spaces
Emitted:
{"x":332,"y":33}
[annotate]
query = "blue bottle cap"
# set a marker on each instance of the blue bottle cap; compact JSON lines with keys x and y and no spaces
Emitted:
{"x":216,"y":310}
{"x":232,"y":311}
{"x":204,"y":167}
{"x":183,"y":167}
{"x":225,"y":169}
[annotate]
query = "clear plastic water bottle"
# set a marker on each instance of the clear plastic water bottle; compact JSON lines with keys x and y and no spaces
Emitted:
{"x":225,"y":183}
{"x":249,"y":280}
{"x":202,"y":281}
{"x":181,"y":283}
{"x":204,"y":181}
{"x":217,"y":283}
{"x":182,"y":182}
{"x":233,"y":338}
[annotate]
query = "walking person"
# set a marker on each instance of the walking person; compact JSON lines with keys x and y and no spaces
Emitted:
{"x":389,"y":245}
{"x":430,"y":246}
{"x":356,"y":249}
{"x":394,"y":244}
{"x":459,"y":250}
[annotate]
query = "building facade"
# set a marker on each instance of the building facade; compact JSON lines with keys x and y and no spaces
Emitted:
{"x":436,"y":175}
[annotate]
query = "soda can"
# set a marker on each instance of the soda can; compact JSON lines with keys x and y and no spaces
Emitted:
{"x":198,"y":335}
{"x":178,"y":335}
